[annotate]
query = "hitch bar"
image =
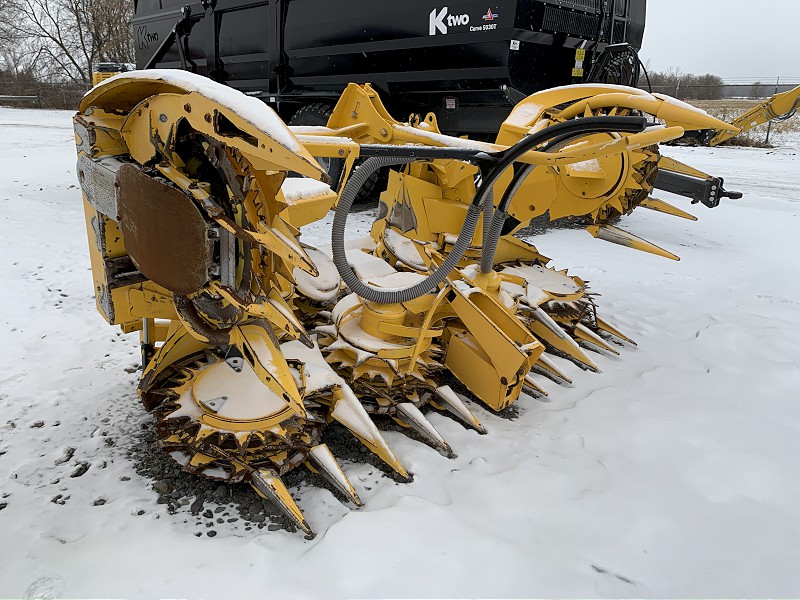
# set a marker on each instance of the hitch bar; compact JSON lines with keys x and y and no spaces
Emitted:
{"x":706,"y":191}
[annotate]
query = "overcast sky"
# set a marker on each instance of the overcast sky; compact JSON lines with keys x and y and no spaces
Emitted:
{"x":729,"y":38}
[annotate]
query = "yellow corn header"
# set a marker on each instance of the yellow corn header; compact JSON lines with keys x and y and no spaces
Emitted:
{"x":254,"y":342}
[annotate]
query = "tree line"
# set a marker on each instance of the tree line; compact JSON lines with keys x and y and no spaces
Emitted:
{"x":687,"y":86}
{"x":50,"y":46}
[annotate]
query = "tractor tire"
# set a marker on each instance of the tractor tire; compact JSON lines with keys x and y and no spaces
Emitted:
{"x":372,"y":188}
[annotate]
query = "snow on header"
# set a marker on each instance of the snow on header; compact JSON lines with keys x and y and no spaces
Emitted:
{"x":524,"y":113}
{"x":447,"y":140}
{"x":300,"y":188}
{"x":681,"y":103}
{"x":592,"y":88}
{"x":249,"y":108}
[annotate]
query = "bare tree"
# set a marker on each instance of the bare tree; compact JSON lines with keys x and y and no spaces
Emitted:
{"x":17,"y":60}
{"x":69,"y":36}
{"x":704,"y":87}
{"x":687,"y":86}
{"x":666,"y":82}
{"x":8,"y":33}
{"x":112,"y":27}
{"x":758,"y":90}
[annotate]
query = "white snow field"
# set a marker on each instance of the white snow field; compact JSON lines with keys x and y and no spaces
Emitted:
{"x":674,"y":473}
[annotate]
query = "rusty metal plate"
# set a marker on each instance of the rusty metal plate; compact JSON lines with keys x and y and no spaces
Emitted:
{"x":164,"y":231}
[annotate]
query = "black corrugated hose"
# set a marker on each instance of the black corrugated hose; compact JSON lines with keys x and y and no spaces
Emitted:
{"x":483,"y":196}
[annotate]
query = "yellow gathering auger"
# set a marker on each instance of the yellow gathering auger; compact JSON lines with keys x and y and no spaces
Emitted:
{"x":254,"y":342}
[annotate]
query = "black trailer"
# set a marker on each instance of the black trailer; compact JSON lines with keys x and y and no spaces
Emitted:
{"x":468,"y":61}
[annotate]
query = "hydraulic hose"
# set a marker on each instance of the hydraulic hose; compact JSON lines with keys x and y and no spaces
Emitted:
{"x":482,"y":197}
{"x":554,"y":137}
{"x":786,"y":116}
{"x":583,"y":126}
{"x":492,"y":233}
{"x":488,"y":214}
{"x":340,"y":257}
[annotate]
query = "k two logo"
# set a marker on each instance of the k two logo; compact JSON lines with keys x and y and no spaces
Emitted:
{"x":439,"y":21}
{"x":144,"y":38}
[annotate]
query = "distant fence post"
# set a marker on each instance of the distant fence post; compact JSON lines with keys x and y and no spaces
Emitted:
{"x":769,"y":123}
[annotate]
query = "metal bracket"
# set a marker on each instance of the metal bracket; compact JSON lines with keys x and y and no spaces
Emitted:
{"x":234,"y":359}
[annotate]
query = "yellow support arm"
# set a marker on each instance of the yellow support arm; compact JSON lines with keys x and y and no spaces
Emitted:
{"x":778,"y":107}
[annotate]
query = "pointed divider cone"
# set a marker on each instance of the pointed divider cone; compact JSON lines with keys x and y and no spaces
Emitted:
{"x":666,"y":208}
{"x":455,"y":406}
{"x":608,"y":328}
{"x":615,"y":235}
{"x":414,"y":417}
{"x":546,"y":320}
{"x":547,"y":330}
{"x":350,"y":413}
{"x":589,"y":336}
{"x":269,"y":486}
{"x":550,"y":368}
{"x":580,"y":357}
{"x":531,"y":384}
{"x":323,"y":459}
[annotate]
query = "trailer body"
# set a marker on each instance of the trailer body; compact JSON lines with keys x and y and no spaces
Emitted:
{"x":467,"y":61}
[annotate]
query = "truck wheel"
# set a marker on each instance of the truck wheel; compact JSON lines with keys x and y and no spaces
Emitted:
{"x":316,"y":115}
{"x":373,"y":187}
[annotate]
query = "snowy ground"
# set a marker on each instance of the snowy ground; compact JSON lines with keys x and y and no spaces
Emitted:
{"x":672,"y":473}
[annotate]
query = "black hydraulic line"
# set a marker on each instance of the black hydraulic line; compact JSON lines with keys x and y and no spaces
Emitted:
{"x":787,"y":116}
{"x":425,"y":152}
{"x":494,"y":226}
{"x":552,"y":137}
{"x":340,"y":257}
{"x":382,"y":156}
{"x":646,"y":74}
{"x":488,"y":215}
{"x":585,"y":126}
